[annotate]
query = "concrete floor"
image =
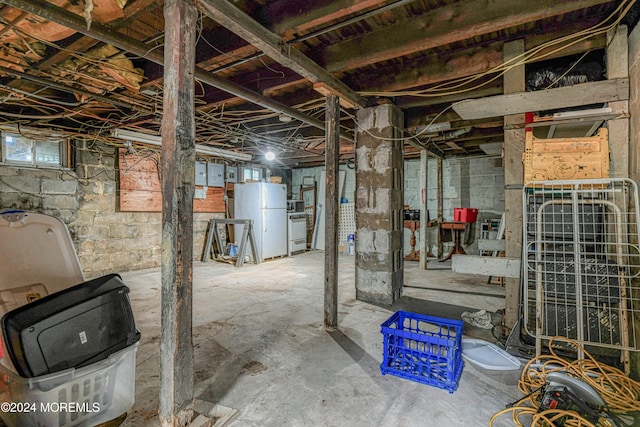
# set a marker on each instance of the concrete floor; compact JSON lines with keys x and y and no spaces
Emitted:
{"x":262,"y":353}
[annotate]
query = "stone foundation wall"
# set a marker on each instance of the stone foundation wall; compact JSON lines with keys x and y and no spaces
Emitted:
{"x":86,"y":200}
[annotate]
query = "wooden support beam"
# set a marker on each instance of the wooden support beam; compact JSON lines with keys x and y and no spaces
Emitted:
{"x":423,"y":246}
{"x":438,"y":67}
{"x":326,"y":90}
{"x":549,"y":99}
{"x":435,"y":29}
{"x":332,"y":157}
{"x":11,"y":25}
{"x":486,"y":266}
{"x":440,"y":206}
{"x":178,"y":186}
{"x":83,"y":44}
{"x":634,"y":104}
{"x":514,"y":81}
{"x":234,"y":19}
{"x":296,"y":17}
{"x":618,"y":67}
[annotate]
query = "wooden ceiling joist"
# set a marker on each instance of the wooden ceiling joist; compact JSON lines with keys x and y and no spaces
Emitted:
{"x":275,"y":47}
{"x":318,"y":13}
{"x":438,"y":68}
{"x":107,"y":35}
{"x":445,"y":25}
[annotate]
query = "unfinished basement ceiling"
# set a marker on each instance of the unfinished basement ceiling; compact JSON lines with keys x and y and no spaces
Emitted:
{"x":422,"y":55}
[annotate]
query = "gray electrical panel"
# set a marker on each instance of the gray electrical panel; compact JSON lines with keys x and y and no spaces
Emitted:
{"x":215,"y":175}
{"x":201,"y":173}
{"x":231,"y":174}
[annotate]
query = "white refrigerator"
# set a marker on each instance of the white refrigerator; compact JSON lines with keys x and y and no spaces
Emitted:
{"x":266,"y":205}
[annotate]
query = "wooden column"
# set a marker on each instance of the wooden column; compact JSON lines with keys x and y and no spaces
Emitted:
{"x":618,"y":67}
{"x":440,"y":208}
{"x":178,"y":181}
{"x":423,"y":246}
{"x":514,"y":81}
{"x":332,"y":157}
{"x":634,"y":104}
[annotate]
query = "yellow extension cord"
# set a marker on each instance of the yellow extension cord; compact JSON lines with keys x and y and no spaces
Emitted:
{"x":618,"y":391}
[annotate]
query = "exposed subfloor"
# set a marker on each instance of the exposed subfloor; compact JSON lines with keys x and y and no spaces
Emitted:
{"x":261,"y":349}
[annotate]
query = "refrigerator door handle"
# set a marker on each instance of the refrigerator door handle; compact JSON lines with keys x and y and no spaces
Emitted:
{"x":265,"y":199}
{"x":264,"y":219}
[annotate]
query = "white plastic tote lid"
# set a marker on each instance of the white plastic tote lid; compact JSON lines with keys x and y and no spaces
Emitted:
{"x":35,"y":250}
{"x":488,"y":356}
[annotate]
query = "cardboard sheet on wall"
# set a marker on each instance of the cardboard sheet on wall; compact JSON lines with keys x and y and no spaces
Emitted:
{"x":140,"y":189}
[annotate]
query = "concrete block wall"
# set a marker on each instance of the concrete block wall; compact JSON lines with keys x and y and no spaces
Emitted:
{"x":348,"y":190}
{"x":379,"y":187}
{"x":472,"y":183}
{"x":469,"y":183}
{"x":52,"y":192}
{"x":482,"y":188}
{"x":86,"y":200}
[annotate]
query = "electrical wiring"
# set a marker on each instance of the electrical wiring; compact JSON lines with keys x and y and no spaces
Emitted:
{"x":619,"y":392}
{"x":45,"y":102}
{"x":73,"y":53}
{"x":42,"y":98}
{"x":51,"y":116}
{"x":449,"y":88}
{"x":199,"y":30}
{"x":404,"y":139}
{"x":501,"y":69}
{"x":568,"y":70}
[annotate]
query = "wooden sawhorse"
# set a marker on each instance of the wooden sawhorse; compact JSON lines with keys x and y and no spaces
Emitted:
{"x":247,"y":235}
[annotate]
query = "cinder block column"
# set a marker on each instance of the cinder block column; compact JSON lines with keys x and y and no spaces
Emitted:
{"x":379,"y":190}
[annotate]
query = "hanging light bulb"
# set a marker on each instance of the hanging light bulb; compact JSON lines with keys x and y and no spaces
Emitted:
{"x":269,"y":155}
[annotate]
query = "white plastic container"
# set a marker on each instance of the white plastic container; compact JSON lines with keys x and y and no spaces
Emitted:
{"x":36,"y":250}
{"x":81,"y":397}
{"x":491,"y":360}
{"x":37,"y":258}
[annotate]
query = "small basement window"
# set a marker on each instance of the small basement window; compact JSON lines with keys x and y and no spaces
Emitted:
{"x":25,"y":150}
{"x":252,"y":174}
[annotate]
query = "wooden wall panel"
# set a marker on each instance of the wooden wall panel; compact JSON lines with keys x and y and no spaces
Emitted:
{"x":140,"y":186}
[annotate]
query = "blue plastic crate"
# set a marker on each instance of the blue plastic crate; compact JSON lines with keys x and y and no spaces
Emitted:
{"x":423,"y":348}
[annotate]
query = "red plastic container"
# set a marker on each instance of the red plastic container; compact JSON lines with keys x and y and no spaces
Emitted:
{"x":465,"y":214}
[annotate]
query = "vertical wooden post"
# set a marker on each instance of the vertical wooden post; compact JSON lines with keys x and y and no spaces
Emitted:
{"x":440,"y":209}
{"x":178,"y":181}
{"x":332,"y":157}
{"x":514,"y":81}
{"x":634,"y":105}
{"x":618,"y":67}
{"x":423,"y":247}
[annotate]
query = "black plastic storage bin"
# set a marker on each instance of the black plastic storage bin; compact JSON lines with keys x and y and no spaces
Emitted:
{"x":73,"y":328}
